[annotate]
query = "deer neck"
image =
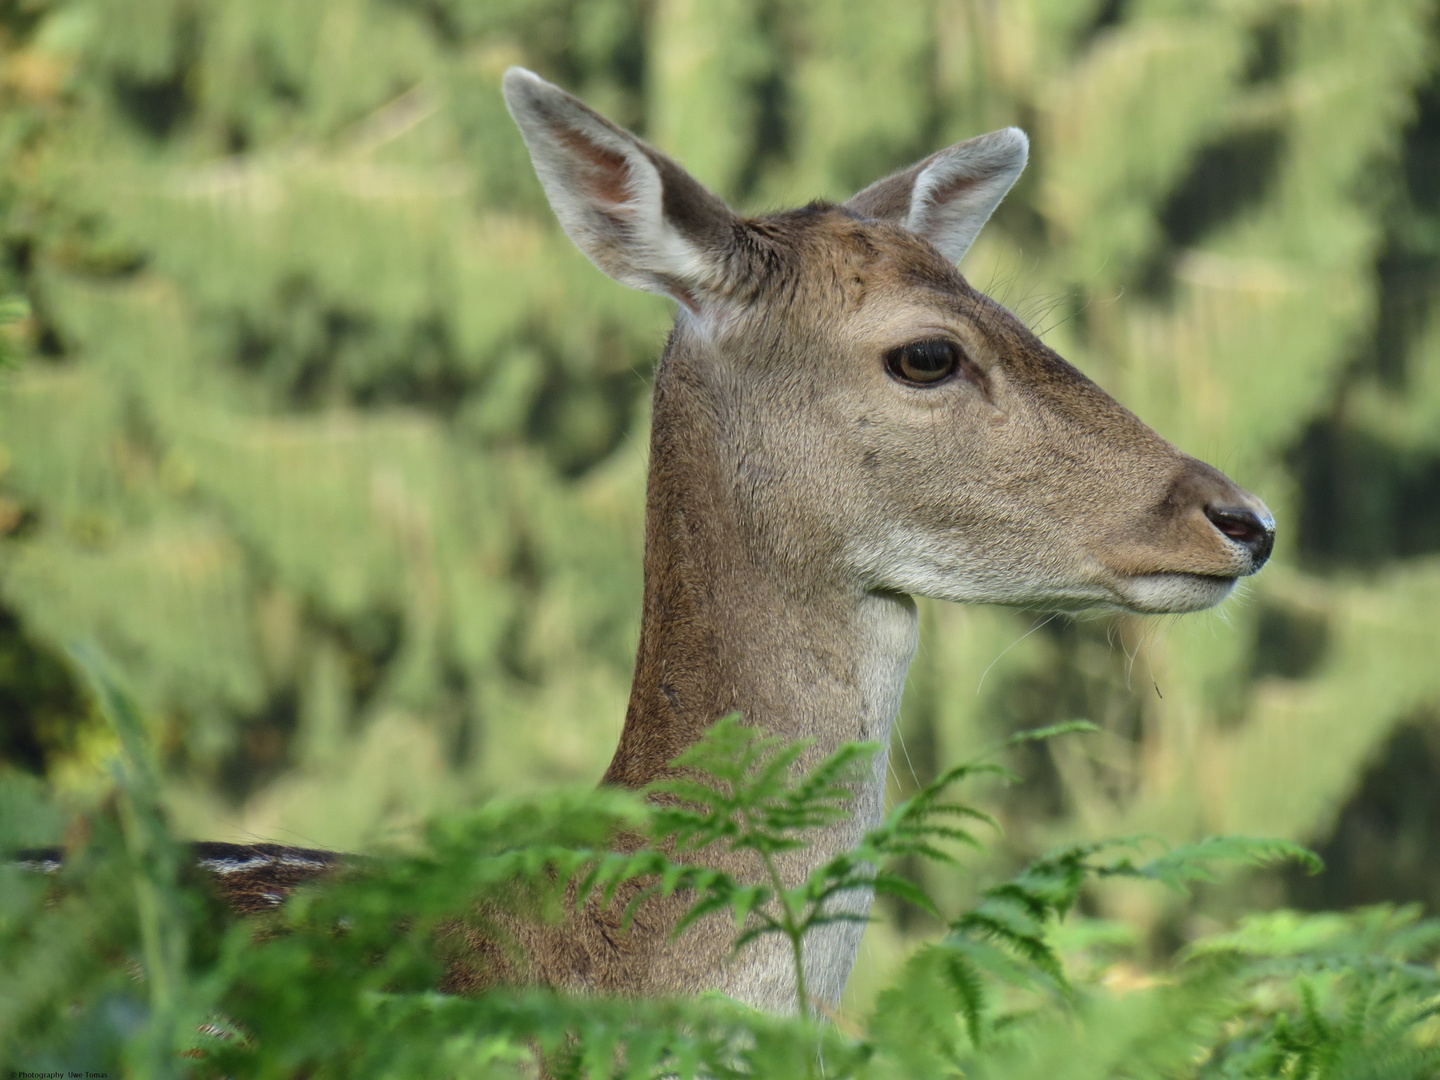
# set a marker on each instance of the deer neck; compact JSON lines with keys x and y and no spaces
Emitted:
{"x":730,"y":624}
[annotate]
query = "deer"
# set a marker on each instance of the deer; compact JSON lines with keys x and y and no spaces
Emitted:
{"x":840,"y":423}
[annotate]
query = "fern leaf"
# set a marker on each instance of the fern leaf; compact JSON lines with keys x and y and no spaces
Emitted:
{"x":905,"y":889}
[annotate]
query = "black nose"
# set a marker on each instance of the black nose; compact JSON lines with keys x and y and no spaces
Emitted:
{"x":1246,"y":528}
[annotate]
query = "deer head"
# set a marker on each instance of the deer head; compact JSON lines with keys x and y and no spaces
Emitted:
{"x":884,"y":424}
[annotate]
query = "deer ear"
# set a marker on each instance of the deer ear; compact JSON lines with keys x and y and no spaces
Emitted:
{"x":947,"y":197}
{"x":637,"y":215}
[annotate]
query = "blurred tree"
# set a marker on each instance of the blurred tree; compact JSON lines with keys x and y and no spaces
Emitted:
{"x":323,"y":431}
{"x":331,"y":440}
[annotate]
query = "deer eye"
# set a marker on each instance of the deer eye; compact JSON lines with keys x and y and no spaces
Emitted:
{"x":923,"y":362}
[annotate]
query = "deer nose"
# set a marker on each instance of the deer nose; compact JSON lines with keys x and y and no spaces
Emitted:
{"x":1243,"y":526}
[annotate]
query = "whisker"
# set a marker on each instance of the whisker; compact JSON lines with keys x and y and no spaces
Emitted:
{"x":1049,"y":618}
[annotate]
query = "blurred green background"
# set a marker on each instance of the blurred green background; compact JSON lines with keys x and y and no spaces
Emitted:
{"x":316,"y":424}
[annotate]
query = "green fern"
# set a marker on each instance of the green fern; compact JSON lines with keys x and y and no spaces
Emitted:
{"x":737,"y":787}
{"x":337,"y":981}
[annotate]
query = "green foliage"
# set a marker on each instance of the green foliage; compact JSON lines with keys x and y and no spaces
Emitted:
{"x":740,"y":794}
{"x":1335,"y":996}
{"x":337,"y":981}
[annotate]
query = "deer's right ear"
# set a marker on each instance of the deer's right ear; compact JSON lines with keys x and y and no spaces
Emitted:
{"x":638,"y":216}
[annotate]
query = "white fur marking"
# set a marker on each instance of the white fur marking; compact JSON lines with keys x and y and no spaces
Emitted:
{"x":763,"y":976}
{"x":224,"y":866}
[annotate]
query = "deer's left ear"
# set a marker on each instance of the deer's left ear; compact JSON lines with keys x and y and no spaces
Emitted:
{"x":947,"y":197}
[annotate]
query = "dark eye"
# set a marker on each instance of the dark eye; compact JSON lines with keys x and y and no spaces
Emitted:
{"x":924,"y":362}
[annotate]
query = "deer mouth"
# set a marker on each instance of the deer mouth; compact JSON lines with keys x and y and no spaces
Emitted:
{"x":1175,"y":592}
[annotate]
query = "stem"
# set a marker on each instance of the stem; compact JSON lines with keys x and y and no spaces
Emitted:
{"x":801,"y":994}
{"x":147,"y":907}
{"x":794,"y":933}
{"x":156,"y":1049}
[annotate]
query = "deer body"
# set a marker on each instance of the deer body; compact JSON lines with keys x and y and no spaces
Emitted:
{"x":840,"y":423}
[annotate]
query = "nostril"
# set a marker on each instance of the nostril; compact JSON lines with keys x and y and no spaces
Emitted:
{"x":1246,"y":528}
{"x":1239,"y":525}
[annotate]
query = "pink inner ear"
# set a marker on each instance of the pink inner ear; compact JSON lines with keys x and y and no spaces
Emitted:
{"x":942,"y":194}
{"x":605,"y":179}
